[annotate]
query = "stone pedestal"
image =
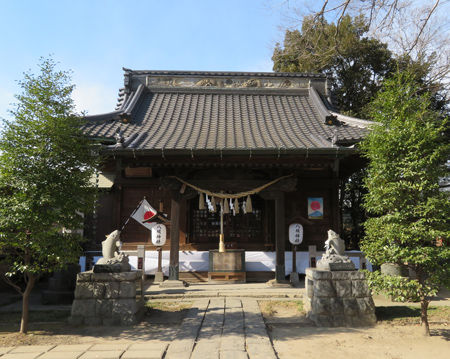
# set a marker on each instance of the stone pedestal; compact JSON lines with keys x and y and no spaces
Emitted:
{"x":61,"y":286}
{"x":107,"y":299}
{"x":338,"y":298}
{"x":294,"y":279}
{"x":159,"y":277}
{"x":274,"y":283}
{"x":170,"y":283}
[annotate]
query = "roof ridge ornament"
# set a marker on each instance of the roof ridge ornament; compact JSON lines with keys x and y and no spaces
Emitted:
{"x":332,"y":120}
{"x":118,"y":136}
{"x":334,"y":136}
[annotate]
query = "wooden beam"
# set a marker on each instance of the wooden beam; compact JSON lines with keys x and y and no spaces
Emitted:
{"x":215,"y":184}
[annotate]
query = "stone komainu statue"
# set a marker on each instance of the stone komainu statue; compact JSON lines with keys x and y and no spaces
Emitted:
{"x":113,"y":259}
{"x":334,"y":257}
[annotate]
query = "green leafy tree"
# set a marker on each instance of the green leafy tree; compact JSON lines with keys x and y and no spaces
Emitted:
{"x":354,"y":215}
{"x":45,"y":168}
{"x":407,"y":150}
{"x":357,"y":64}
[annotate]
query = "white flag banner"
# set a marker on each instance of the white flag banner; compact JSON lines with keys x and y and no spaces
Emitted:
{"x":144,"y":215}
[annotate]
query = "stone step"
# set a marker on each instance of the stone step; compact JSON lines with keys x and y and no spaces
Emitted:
{"x":194,"y":295}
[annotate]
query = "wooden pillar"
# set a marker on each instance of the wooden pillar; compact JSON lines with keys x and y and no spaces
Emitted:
{"x":174,"y":267}
{"x":336,"y":220}
{"x":117,"y":209}
{"x":280,"y":239}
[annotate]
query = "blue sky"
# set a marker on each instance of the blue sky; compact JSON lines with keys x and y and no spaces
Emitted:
{"x":96,"y":38}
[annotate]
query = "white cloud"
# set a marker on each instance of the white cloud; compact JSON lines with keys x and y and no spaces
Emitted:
{"x":94,"y":98}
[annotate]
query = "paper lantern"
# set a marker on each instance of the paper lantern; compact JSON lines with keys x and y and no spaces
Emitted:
{"x":159,"y":234}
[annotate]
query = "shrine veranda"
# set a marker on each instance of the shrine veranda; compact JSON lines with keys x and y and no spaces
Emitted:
{"x":175,"y":134}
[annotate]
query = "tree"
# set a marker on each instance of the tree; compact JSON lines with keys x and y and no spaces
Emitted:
{"x":351,"y":196}
{"x":357,"y":64}
{"x":416,"y":28}
{"x":45,"y":168}
{"x":407,"y":150}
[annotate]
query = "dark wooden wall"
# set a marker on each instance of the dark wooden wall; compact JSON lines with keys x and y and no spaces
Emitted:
{"x":116,"y":205}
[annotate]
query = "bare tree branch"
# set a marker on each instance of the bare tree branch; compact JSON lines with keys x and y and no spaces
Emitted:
{"x":371,"y":12}
{"x":424,"y":25}
{"x":343,"y":12}
{"x":407,"y":26}
{"x":321,"y":12}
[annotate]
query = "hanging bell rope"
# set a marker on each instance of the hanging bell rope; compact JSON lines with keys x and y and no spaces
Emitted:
{"x":230,"y":195}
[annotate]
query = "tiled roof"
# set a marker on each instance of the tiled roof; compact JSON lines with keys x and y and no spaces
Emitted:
{"x":211,"y":118}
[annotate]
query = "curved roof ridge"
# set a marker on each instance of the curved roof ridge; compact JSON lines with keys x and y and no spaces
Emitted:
{"x":224,"y":73}
{"x":353,"y":120}
{"x":126,"y":108}
{"x":324,"y":111}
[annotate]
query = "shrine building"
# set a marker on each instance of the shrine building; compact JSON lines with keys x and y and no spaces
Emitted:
{"x":259,"y":151}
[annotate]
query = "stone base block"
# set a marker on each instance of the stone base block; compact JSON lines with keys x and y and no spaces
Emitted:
{"x":294,"y":279}
{"x":278,"y":283}
{"x":338,"y":298}
{"x":159,"y":277}
{"x":170,"y":283}
{"x":336,"y":266}
{"x":111,"y":268}
{"x":107,"y":299}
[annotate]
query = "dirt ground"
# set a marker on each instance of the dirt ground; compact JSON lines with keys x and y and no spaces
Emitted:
{"x":161,"y":323}
{"x":397,"y":335}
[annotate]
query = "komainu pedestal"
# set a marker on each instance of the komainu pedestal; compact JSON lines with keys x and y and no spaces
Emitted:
{"x":107,"y":299}
{"x":338,"y":298}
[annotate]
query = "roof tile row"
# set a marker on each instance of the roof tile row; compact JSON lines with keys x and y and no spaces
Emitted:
{"x":170,"y":119}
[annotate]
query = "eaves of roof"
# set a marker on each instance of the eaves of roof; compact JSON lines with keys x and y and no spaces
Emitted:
{"x":336,"y":152}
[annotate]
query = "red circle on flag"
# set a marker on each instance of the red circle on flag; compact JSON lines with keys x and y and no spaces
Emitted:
{"x":315,"y":205}
{"x":148,"y":215}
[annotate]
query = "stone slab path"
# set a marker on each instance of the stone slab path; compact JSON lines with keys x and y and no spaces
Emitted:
{"x":222,"y":328}
{"x":216,"y":328}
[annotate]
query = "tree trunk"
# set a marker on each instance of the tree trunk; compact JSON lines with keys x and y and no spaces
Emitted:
{"x":424,"y":316}
{"x":25,"y":302}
